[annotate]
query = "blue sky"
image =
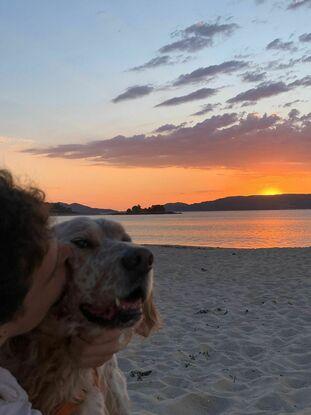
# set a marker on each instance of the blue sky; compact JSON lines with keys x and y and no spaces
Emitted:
{"x":63,"y":62}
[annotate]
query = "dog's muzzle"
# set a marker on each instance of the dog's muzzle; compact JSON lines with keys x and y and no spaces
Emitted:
{"x":125,"y":311}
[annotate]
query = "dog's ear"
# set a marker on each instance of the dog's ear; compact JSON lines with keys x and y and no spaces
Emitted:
{"x":151,"y":319}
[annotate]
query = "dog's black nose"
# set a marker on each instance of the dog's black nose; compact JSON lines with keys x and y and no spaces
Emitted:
{"x":137,"y":260}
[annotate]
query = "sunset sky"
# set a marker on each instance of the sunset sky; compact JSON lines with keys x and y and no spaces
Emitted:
{"x":111,"y":103}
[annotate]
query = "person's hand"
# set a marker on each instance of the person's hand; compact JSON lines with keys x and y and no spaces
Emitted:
{"x":92,"y":352}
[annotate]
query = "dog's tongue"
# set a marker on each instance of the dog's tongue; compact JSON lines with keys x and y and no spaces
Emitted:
{"x":108,"y":313}
{"x":111,"y":311}
{"x":130,"y":305}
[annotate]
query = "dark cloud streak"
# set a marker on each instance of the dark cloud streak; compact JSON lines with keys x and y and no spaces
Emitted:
{"x":133,"y":92}
{"x":305,"y":81}
{"x":189,"y":44}
{"x":253,"y":76}
{"x":208,"y":72}
{"x":210,"y":30}
{"x":295,"y":4}
{"x":198,"y":36}
{"x":269,"y":89}
{"x":153,"y":63}
{"x":289,"y":104}
{"x":169,"y":127}
{"x":278,"y":44}
{"x":206,"y":108}
{"x":280,"y":66}
{"x":306,"y":37}
{"x":264,"y":90}
{"x":193,"y":96}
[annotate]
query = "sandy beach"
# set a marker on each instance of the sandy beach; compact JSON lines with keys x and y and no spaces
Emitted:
{"x":236,"y":337}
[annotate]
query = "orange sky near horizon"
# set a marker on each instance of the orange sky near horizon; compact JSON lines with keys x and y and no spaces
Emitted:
{"x":119,"y":188}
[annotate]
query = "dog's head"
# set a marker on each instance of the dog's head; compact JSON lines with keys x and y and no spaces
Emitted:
{"x":112,"y":278}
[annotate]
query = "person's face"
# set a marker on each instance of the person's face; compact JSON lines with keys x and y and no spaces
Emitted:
{"x":48,"y":281}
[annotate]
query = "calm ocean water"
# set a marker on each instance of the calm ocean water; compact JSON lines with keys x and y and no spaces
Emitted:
{"x":247,"y":229}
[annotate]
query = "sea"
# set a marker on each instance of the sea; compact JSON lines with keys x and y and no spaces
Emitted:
{"x":234,"y":229}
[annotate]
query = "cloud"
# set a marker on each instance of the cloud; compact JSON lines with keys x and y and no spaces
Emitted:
{"x":293,"y":114}
{"x":190,"y":44}
{"x":253,"y":76}
{"x":208,"y":72}
{"x":247,"y":104}
{"x":198,"y":36}
{"x":153,"y":63}
{"x":192,"y":39}
{"x":264,"y":90}
{"x":169,"y":127}
{"x":210,"y":30}
{"x":306,"y":37}
{"x":242,"y":56}
{"x":121,"y":149}
{"x":306,"y":81}
{"x":277,"y":66}
{"x":259,"y":21}
{"x":295,"y":4}
{"x":306,"y":119}
{"x":226,"y":141}
{"x":259,"y":1}
{"x":133,"y":92}
{"x":206,"y":108}
{"x":15,"y":143}
{"x":269,"y":89}
{"x":198,"y":94}
{"x":277,"y":44}
{"x":289,"y":104}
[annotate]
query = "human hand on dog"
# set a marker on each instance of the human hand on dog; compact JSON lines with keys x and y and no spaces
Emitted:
{"x":92,"y":352}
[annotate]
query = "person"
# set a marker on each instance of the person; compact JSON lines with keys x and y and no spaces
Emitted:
{"x":34,"y":268}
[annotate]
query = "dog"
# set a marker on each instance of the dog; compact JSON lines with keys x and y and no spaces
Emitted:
{"x":110,"y":287}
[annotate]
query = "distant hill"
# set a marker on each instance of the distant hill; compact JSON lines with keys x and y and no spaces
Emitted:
{"x":276,"y":202}
{"x":60,"y":208}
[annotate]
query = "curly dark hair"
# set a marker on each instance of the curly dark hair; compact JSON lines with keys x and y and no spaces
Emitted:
{"x":24,"y":240}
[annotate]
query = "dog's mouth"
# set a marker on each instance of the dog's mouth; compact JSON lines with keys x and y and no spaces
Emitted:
{"x":123,"y":312}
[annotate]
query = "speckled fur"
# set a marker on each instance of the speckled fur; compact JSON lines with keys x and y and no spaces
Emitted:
{"x":40,"y":359}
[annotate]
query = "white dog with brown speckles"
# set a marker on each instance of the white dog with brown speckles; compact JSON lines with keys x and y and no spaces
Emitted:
{"x":111,"y":286}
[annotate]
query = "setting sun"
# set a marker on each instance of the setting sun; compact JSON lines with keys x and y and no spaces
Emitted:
{"x":270,"y":191}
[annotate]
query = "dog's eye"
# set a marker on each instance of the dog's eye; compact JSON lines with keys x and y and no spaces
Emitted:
{"x":82,"y":243}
